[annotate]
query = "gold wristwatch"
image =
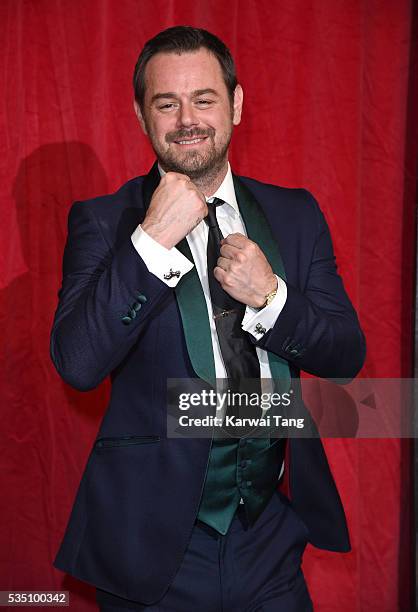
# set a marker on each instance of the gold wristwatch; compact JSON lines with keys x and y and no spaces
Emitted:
{"x":269,"y":298}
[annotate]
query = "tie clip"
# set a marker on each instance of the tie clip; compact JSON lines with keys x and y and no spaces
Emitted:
{"x":223,"y":314}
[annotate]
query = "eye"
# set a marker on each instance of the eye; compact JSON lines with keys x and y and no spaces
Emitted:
{"x":203,"y":102}
{"x":166,"y":107}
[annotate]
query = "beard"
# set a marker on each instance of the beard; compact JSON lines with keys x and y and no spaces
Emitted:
{"x":194,"y":163}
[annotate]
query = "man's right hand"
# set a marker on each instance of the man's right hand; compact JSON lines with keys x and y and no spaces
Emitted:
{"x":176,"y":207}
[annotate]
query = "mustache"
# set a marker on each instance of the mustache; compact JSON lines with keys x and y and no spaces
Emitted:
{"x":194,"y":133}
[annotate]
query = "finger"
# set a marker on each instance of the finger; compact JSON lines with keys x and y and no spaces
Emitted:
{"x":219,"y":274}
{"x":192,"y":187}
{"x":229,"y":251}
{"x":169,"y":176}
{"x":237,"y":240}
{"x":223,"y":263}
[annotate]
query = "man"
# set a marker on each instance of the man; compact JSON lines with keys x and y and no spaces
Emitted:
{"x":193,"y":272}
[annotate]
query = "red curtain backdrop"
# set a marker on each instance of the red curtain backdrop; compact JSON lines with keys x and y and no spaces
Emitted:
{"x":329,"y":100}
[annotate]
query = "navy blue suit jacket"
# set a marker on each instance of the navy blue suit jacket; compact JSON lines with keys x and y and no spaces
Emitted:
{"x":139,"y":495}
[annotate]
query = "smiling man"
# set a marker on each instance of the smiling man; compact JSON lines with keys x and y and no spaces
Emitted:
{"x":190,"y":129}
{"x":192,"y":272}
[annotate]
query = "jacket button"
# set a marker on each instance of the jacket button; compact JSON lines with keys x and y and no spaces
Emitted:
{"x":136,"y":306}
{"x":141,"y":298}
{"x":294,"y":352}
{"x":126,"y":320}
{"x":132,"y":313}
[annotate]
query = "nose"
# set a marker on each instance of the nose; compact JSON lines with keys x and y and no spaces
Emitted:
{"x":187,"y":115}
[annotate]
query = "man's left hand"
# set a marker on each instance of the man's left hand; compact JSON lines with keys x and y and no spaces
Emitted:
{"x":244,"y":272}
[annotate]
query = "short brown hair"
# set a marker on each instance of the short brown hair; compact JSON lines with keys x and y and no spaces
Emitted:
{"x":184,"y":39}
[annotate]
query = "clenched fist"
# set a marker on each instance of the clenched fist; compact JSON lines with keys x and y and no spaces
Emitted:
{"x":176,"y":207}
{"x":243,"y":271}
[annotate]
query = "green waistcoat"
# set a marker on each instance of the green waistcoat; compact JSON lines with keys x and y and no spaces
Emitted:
{"x":246,"y":467}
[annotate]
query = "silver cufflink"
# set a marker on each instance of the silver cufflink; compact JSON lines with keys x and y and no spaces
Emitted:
{"x":259,"y":329}
{"x":171,"y":274}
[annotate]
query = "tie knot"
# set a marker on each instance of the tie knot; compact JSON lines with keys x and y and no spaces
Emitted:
{"x":211,"y":220}
{"x":217,"y":202}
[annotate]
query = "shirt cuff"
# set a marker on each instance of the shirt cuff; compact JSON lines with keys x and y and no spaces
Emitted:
{"x":258,"y":322}
{"x":169,"y":265}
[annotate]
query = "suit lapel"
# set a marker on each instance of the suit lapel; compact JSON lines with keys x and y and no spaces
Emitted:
{"x":257,"y":226}
{"x":189,"y":293}
{"x":259,"y":231}
{"x":191,"y":302}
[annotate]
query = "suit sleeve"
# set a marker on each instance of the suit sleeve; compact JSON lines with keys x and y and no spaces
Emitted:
{"x":105,"y":300}
{"x":318,"y":330}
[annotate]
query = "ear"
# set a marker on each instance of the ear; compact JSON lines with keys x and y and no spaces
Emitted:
{"x":141,"y":120}
{"x":238,"y":100}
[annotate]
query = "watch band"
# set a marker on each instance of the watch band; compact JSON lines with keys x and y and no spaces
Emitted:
{"x":269,"y":298}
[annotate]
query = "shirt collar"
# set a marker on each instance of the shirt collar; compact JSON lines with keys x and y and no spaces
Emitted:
{"x":225,"y":191}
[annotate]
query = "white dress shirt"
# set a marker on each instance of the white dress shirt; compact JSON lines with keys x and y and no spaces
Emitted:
{"x":160,"y":261}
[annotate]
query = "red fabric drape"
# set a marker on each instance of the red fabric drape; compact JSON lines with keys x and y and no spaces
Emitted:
{"x":329,"y":100}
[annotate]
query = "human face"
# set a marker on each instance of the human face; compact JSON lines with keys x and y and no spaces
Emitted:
{"x":187,"y":112}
